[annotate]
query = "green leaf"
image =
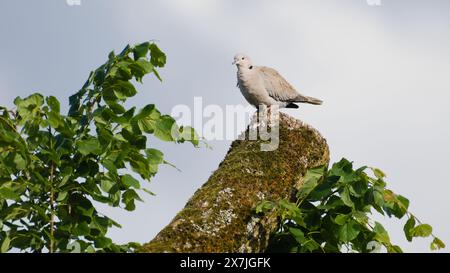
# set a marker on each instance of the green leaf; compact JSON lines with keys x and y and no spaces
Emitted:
{"x":333,"y":202}
{"x":7,"y":193}
{"x":5,"y":245}
{"x":158,"y":58}
{"x":54,"y":104}
{"x":360,"y":217}
{"x":345,"y":196}
{"x":264,"y":206}
{"x":109,"y":96}
{"x":341,"y":219}
{"x":8,"y":136}
{"x":109,"y":165}
{"x":121,"y":71}
{"x":189,"y":134}
{"x":408,"y":228}
{"x":381,"y":235}
{"x":157,"y":74}
{"x":140,"y":165}
{"x":14,"y":212}
{"x":128,"y":198}
{"x":394,"y":249}
{"x":140,"y":68}
{"x":54,"y":119}
{"x":324,"y":189}
{"x":378,"y":173}
{"x":81,"y":229}
{"x":154,"y":156}
{"x":89,"y":146}
{"x":90,"y":249}
{"x":99,"y":76}
{"x":146,"y":119}
{"x":423,"y":230}
{"x":311,"y":245}
{"x":130,"y":181}
{"x":16,"y":161}
{"x":64,"y":180}
{"x":141,"y":50}
{"x":342,"y":169}
{"x":29,"y":103}
{"x":166,"y":128}
{"x":358,"y":188}
{"x":298,"y":235}
{"x":437,"y":244}
{"x":311,"y":181}
{"x":106,"y":185}
{"x":378,"y":198}
{"x":349,"y":231}
{"x":125,"y":51}
{"x":117,"y":108}
{"x":403,"y":202}
{"x":143,"y":67}
{"x":395,"y":204}
{"x":288,"y":206}
{"x":123,"y":90}
{"x":18,"y":188}
{"x":102,"y":242}
{"x":137,"y":140}
{"x":62,"y":196}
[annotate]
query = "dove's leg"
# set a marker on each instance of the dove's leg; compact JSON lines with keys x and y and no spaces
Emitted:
{"x":258,"y":111}
{"x":263,"y":115}
{"x":254,"y":124}
{"x":257,"y":114}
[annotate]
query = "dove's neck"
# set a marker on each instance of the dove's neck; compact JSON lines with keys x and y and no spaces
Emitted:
{"x":245,"y":70}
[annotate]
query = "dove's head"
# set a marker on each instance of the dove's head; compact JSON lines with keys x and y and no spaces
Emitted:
{"x":242,"y":60}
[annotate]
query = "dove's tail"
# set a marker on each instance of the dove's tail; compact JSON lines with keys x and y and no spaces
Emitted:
{"x":314,"y":101}
{"x":310,"y":100}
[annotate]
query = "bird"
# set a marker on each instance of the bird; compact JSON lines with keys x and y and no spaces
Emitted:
{"x":264,"y":86}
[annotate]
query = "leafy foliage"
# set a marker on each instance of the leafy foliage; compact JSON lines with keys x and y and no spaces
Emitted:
{"x":331,"y":213}
{"x":53,"y":166}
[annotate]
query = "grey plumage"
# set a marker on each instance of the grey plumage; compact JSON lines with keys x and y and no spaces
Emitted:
{"x":262,"y":85}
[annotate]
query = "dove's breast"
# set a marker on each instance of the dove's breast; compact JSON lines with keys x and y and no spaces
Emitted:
{"x":253,"y":89}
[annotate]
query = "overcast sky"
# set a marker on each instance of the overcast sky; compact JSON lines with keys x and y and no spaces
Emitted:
{"x":383,"y":72}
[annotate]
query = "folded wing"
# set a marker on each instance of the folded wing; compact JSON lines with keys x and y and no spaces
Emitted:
{"x":279,"y":89}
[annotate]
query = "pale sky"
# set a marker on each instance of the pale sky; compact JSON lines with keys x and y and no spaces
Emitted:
{"x":382,"y":72}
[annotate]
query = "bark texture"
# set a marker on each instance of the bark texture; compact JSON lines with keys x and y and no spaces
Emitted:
{"x":220,"y":216}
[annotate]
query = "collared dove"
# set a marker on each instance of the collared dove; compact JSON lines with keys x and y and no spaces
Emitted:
{"x":264,"y":86}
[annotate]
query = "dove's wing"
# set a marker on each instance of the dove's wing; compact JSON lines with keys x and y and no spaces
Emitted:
{"x":280,"y":90}
{"x":277,"y":87}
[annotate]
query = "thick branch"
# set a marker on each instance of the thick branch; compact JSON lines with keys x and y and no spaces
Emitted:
{"x":220,"y":216}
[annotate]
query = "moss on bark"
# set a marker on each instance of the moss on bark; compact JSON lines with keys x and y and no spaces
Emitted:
{"x":220,"y":216}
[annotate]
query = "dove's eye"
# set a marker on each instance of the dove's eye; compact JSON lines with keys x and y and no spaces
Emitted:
{"x":243,"y":58}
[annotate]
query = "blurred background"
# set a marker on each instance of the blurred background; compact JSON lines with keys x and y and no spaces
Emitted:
{"x":382,"y":68}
